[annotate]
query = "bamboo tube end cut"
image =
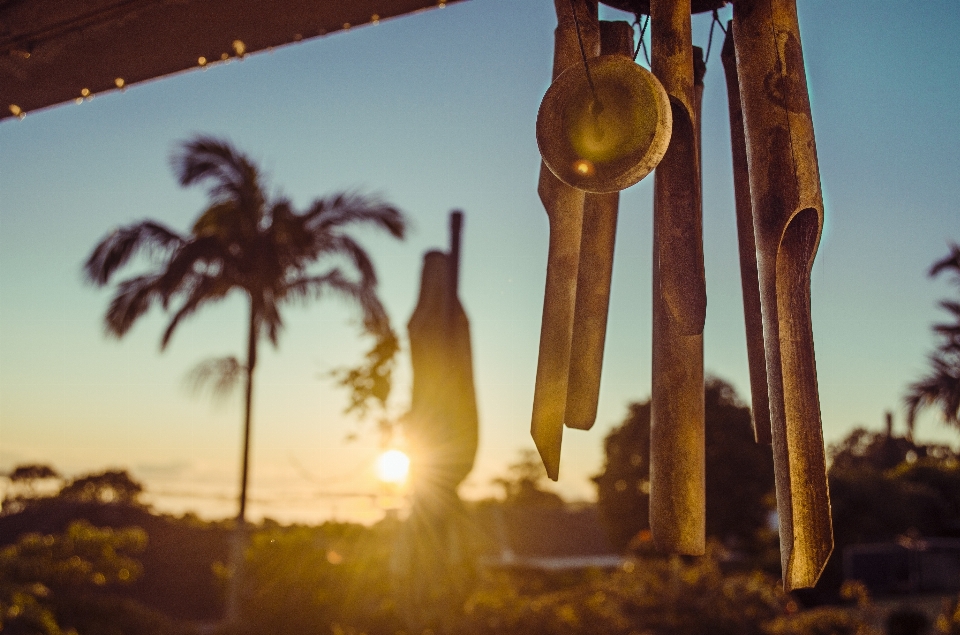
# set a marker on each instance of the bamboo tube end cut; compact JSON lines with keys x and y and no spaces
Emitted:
{"x":548,"y":440}
{"x":550,"y":455}
{"x":804,"y":566}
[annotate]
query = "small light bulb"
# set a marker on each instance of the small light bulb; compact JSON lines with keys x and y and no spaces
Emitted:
{"x":202,"y":61}
{"x":85,"y":92}
{"x":346,"y":26}
{"x":224,"y":56}
{"x":119,"y":82}
{"x":78,"y":100}
{"x":16,"y":110}
{"x":239,"y":48}
{"x":375,"y":18}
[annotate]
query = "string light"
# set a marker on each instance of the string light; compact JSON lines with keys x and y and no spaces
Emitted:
{"x":15,"y":109}
{"x":239,"y":48}
{"x":346,"y":26}
{"x":202,"y":61}
{"x":375,"y":18}
{"x":85,"y":92}
{"x":119,"y":83}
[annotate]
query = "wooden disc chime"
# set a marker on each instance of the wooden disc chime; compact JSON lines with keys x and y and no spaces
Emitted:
{"x":604,"y":124}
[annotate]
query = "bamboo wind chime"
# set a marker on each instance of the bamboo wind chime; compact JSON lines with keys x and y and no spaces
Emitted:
{"x":604,"y":124}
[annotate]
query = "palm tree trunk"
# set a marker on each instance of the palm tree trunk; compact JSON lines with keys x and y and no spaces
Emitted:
{"x":240,"y":526}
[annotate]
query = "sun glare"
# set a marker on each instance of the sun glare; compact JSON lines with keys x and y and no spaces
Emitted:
{"x":392,"y":466}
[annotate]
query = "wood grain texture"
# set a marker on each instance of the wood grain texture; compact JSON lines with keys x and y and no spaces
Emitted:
{"x":749,"y":281}
{"x":594,"y":275}
{"x":788,"y":218}
{"x":677,"y":478}
{"x":564,"y":207}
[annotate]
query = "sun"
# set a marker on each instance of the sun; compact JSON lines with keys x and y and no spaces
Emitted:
{"x":393,"y":466}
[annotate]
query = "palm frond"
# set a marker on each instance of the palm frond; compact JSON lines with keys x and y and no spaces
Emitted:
{"x":314,"y":287}
{"x":374,"y":315}
{"x":347,"y":246}
{"x":347,"y":208}
{"x":220,"y":375}
{"x":950,"y":263}
{"x":939,"y":388}
{"x":271,"y":320}
{"x":132,"y":299}
{"x":203,"y":289}
{"x":230,"y":174}
{"x":189,"y":262}
{"x":116,"y":249}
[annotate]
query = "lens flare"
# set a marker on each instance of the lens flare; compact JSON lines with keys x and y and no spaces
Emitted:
{"x":393,"y":466}
{"x":584,"y":167}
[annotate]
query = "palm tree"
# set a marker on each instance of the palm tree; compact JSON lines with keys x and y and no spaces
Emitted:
{"x":940,"y":387}
{"x":247,"y":241}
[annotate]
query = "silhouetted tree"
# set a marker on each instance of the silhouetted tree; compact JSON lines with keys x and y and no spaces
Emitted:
{"x":940,"y":387}
{"x":26,"y":484}
{"x":249,"y":242}
{"x":883,"y":487}
{"x":110,"y":486}
{"x":739,"y":473}
{"x":525,"y":483}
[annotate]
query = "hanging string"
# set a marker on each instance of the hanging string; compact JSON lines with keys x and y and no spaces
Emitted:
{"x":641,"y":44}
{"x":715,"y":22}
{"x":583,"y":54}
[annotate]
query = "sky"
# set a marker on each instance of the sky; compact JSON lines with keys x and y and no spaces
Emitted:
{"x":436,"y":111}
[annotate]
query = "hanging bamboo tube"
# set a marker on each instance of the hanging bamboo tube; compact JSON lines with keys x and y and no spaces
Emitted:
{"x":564,"y":206}
{"x":748,"y":248}
{"x":788,"y":217}
{"x":594,"y":274}
{"x":677,"y":486}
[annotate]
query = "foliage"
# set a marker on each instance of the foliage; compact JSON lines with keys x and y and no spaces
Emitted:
{"x":369,"y":382}
{"x":38,"y":572}
{"x":882,"y":487}
{"x":739,"y":473}
{"x":948,"y":623}
{"x":820,"y":621}
{"x":244,"y":241}
{"x":655,"y":596}
{"x":524,"y":483}
{"x":879,"y":451}
{"x":305,"y":580}
{"x":940,"y":387}
{"x":28,"y":482}
{"x":110,"y":486}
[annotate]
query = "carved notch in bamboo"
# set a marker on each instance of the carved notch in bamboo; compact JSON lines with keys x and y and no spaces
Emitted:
{"x":788,"y":217}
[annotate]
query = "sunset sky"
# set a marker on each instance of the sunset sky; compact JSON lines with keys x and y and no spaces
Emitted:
{"x":436,"y":111}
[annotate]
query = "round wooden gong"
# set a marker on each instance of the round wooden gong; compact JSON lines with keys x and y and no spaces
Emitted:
{"x":608,"y":140}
